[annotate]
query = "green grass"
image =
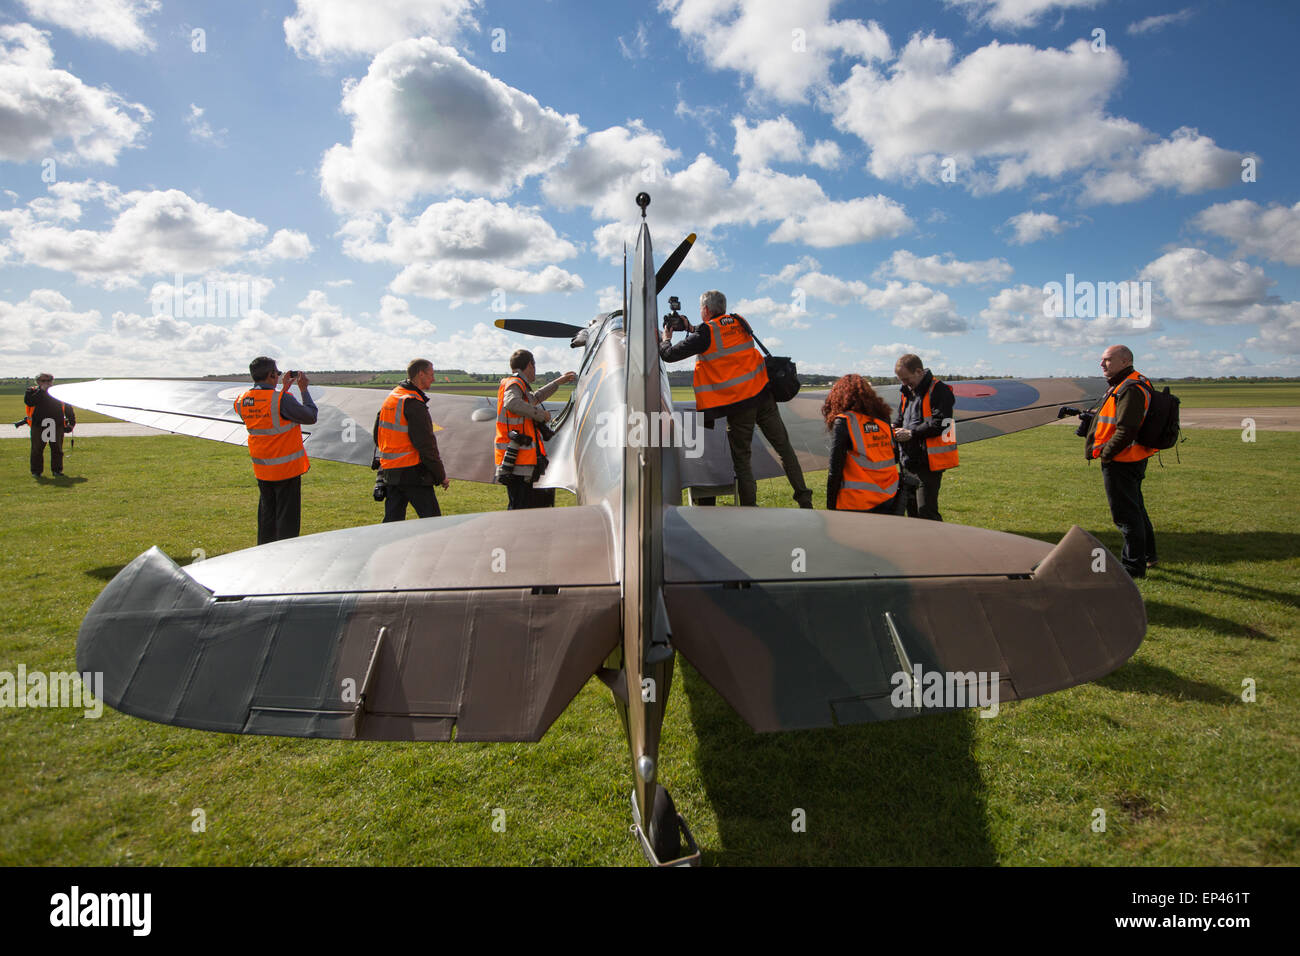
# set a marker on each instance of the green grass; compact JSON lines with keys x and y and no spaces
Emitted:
{"x":1187,"y":773}
{"x":1234,"y":394}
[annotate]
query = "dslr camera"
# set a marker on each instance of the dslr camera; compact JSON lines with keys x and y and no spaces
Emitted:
{"x":674,"y":321}
{"x":1085,"y":418}
{"x":518,"y":440}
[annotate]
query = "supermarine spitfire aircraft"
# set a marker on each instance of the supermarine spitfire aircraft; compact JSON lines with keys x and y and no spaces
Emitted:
{"x":477,"y":627}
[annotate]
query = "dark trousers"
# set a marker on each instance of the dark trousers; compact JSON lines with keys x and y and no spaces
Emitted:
{"x":740,"y":436}
{"x":520,"y":493}
{"x":922,"y":499}
{"x":1123,"y":483}
{"x":421,"y":497}
{"x":279,"y":509}
{"x":38,"y":452}
{"x":894,"y":506}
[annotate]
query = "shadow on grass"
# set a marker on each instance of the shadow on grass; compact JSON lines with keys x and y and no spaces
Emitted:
{"x":1174,"y":615}
{"x":109,"y":571}
{"x":1141,"y":678}
{"x":1198,"y":547}
{"x":903,"y":792}
{"x":1222,"y":585}
{"x":61,"y":481}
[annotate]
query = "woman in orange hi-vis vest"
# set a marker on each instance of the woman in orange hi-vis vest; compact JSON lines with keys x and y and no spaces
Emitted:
{"x":863,"y":472}
{"x":275,"y":445}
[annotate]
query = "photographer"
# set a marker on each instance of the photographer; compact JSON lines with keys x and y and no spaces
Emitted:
{"x":273,"y":420}
{"x":49,"y":420}
{"x":1111,"y":437}
{"x":731,"y":382}
{"x":408,"y":458}
{"x":521,"y":432}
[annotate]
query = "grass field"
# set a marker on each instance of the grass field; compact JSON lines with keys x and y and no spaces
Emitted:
{"x":1186,"y":772}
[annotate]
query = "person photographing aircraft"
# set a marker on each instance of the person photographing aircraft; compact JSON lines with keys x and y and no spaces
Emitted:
{"x":274,"y":419}
{"x":731,"y":381}
{"x":407,"y":451}
{"x":521,"y":433}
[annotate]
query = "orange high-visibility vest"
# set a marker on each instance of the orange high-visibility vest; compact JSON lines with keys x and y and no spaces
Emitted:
{"x":870,"y":476}
{"x":730,"y":370}
{"x":395,"y":448}
{"x":30,"y":409}
{"x":506,"y":422}
{"x":274,"y":443}
{"x":1107,"y":421}
{"x":940,"y":453}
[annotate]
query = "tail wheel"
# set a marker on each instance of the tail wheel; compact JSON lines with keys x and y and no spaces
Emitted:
{"x":664,"y":834}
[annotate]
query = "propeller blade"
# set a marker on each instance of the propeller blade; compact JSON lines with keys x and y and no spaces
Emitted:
{"x":539,"y":327}
{"x":672,"y":262}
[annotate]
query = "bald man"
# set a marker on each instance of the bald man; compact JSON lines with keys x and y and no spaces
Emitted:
{"x":1112,"y":439}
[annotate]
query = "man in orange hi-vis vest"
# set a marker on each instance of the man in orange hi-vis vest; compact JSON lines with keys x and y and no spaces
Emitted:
{"x":1112,"y":438}
{"x":407,"y":451}
{"x":926,"y":433}
{"x":731,"y":381}
{"x":273,"y":419}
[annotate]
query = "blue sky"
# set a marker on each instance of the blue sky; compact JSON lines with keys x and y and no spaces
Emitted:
{"x":382,"y":180}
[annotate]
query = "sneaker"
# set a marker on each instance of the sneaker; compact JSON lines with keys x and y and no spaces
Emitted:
{"x":57,"y":474}
{"x":1152,"y":562}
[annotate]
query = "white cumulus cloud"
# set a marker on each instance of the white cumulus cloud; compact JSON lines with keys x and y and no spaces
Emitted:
{"x":46,"y":112}
{"x":321,"y":28}
{"x":427,"y":121}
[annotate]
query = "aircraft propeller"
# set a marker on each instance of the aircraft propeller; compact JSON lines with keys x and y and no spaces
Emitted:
{"x":670,"y":265}
{"x":542,"y":328}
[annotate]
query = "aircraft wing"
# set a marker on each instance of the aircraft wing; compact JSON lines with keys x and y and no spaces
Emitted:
{"x":490,"y":624}
{"x":804,"y":618}
{"x":463,"y":424}
{"x":983,"y":409}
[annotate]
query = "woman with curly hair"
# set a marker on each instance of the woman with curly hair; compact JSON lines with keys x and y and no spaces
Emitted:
{"x":864,"y":459}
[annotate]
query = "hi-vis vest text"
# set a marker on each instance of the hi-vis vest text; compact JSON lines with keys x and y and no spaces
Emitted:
{"x":274,"y":443}
{"x":395,"y":448}
{"x":506,"y":422}
{"x":940,"y":449}
{"x":870,"y":471}
{"x":730,"y":370}
{"x":1106,"y":420}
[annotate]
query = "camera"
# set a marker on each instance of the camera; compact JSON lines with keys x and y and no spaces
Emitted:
{"x":518,"y":440}
{"x":1085,"y":418}
{"x":380,"y":491}
{"x":674,"y":321}
{"x":294,"y":374}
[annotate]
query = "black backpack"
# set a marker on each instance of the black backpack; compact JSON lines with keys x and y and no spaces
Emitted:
{"x":1160,"y":426}
{"x":782,"y":374}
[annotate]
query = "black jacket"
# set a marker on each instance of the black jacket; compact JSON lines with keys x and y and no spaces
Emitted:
{"x":697,"y":341}
{"x":419,"y":429}
{"x":49,"y":407}
{"x":941,"y":409}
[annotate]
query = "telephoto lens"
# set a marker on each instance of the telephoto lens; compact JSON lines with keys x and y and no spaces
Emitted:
{"x":380,"y":490}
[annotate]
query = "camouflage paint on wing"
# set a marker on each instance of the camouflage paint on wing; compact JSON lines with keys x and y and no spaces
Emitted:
{"x":489,"y":630}
{"x":787,"y":620}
